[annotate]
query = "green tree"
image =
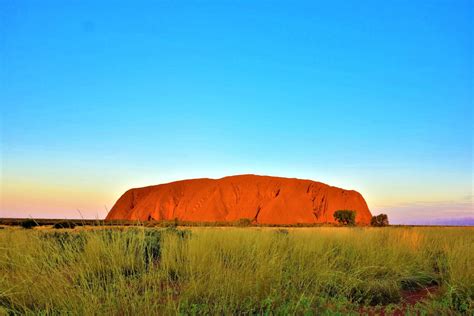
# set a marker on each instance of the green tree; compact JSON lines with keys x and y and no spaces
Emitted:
{"x":345,"y":217}
{"x":379,"y":220}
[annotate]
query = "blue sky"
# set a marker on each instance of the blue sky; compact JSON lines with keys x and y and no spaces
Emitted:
{"x":98,"y":97}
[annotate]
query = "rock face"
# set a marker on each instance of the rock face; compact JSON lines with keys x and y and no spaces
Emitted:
{"x":263,"y":199}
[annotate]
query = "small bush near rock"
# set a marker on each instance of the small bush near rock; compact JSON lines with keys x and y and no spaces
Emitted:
{"x":244,"y":222}
{"x":379,"y":220}
{"x":169,"y":224}
{"x":345,"y":217}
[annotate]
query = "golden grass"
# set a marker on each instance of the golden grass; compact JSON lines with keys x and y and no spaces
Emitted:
{"x":139,"y":270}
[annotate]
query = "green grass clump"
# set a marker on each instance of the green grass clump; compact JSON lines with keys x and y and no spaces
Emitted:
{"x":139,"y":270}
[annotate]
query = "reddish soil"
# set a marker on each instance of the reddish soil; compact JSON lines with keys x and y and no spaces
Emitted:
{"x":261,"y":199}
{"x":409,"y":298}
{"x":413,"y":297}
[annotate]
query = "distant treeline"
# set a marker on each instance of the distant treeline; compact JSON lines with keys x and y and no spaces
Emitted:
{"x":48,"y":221}
{"x":165,"y":223}
{"x":244,"y":222}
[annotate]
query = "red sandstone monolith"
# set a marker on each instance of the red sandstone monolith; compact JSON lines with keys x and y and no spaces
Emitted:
{"x":262,"y":199}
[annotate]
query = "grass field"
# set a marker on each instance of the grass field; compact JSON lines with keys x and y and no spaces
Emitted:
{"x":210,"y":270}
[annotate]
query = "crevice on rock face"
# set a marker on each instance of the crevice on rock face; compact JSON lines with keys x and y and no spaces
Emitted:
{"x":255,"y":219}
{"x":316,"y":215}
{"x":236,"y":191}
{"x":132,"y":201}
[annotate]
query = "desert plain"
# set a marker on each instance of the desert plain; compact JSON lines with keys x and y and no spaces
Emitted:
{"x":146,"y":268}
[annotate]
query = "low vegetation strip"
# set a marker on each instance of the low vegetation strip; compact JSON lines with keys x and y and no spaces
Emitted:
{"x":242,"y":222}
{"x":206,"y":270}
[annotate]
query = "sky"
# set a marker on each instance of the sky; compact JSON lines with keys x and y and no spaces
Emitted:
{"x":98,"y":97}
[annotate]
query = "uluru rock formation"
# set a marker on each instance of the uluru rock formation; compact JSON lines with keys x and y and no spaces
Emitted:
{"x":263,"y":199}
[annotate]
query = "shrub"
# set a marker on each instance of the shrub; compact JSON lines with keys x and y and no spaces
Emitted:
{"x":65,"y":224}
{"x":171,"y":224}
{"x":345,"y":217}
{"x":244,"y":222}
{"x":379,"y":220}
{"x":29,"y":223}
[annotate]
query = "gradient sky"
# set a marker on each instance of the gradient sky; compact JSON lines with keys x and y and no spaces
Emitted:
{"x":97,"y":97}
